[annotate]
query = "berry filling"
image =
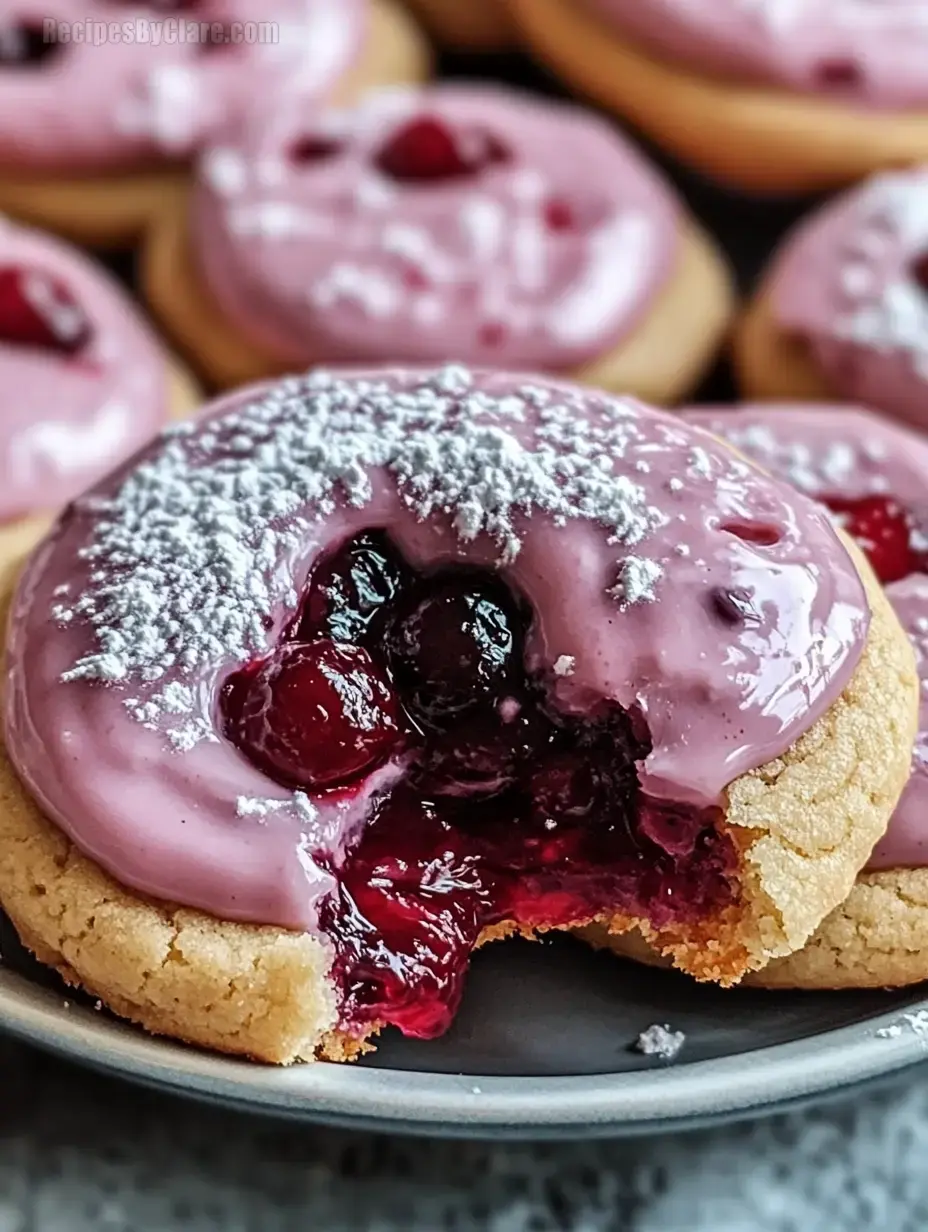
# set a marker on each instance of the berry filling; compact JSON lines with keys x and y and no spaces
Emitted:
{"x":885,"y":531}
{"x":508,"y":814}
{"x":425,"y":150}
{"x":38,"y":310}
{"x":839,"y":74}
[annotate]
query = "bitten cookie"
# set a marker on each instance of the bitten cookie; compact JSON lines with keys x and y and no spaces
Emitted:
{"x":478,"y":224}
{"x":873,"y":477}
{"x":85,"y":380}
{"x":99,"y":119}
{"x":765,"y":95}
{"x":842,"y":312}
{"x":361,"y":670}
{"x":475,"y":25}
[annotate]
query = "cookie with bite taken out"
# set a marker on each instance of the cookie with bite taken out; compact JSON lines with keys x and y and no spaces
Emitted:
{"x":366,"y":668}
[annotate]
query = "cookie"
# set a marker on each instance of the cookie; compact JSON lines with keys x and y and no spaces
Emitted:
{"x":842,"y":312}
{"x":761,"y":95}
{"x":358,"y":671}
{"x":872,"y":475}
{"x":96,"y":130}
{"x":863,"y":466}
{"x":426,"y":223}
{"x":86,"y":380}
{"x":477,"y":25}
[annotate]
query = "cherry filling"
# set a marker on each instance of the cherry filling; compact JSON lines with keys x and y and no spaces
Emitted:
{"x":885,"y":531}
{"x":508,"y":814}
{"x":38,"y":310}
{"x":426,"y":150}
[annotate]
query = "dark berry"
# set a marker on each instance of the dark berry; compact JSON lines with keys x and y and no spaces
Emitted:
{"x":351,"y":590}
{"x":26,"y":44}
{"x":559,"y":215}
{"x":426,"y":150}
{"x":37,"y":309}
{"x":314,"y":149}
{"x":881,"y":527}
{"x":454,"y":645}
{"x":839,"y":74}
{"x":733,"y":606}
{"x":315,"y":715}
{"x":483,"y":753}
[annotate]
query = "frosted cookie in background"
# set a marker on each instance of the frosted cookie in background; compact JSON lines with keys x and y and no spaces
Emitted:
{"x":842,"y":311}
{"x":467,"y":25}
{"x":85,"y":380}
{"x":96,"y":131}
{"x":873,"y":476}
{"x":365,"y":669}
{"x":763,"y":95}
{"x":452,"y":221}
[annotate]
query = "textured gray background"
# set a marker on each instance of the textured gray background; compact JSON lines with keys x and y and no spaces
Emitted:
{"x":79,"y":1153}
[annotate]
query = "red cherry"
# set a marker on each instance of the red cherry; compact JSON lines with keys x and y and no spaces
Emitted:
{"x":314,"y":149}
{"x":37,"y":309}
{"x":840,"y":74}
{"x":558,"y":215}
{"x":882,"y":529}
{"x":315,"y":715}
{"x":426,"y":150}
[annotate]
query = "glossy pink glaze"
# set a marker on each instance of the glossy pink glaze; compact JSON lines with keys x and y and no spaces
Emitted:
{"x":333,"y":260}
{"x":127,"y":99}
{"x":66,"y":420}
{"x":842,"y":451}
{"x":846,"y":284}
{"x":718,"y":701}
{"x":869,"y":53}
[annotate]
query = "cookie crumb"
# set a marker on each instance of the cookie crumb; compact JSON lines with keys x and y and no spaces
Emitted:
{"x":660,"y":1041}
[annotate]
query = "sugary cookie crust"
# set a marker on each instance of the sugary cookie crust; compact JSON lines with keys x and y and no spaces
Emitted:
{"x":475,"y":25}
{"x":758,"y":139}
{"x":660,"y":361}
{"x":112,"y":210}
{"x":807,"y":820}
{"x":769,"y":363}
{"x":877,"y":938}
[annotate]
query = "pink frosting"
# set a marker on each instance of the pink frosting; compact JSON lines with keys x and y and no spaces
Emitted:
{"x":842,"y":451}
{"x":868,"y":53}
{"x":610,"y":518}
{"x":121,"y":97}
{"x":852,"y":283}
{"x":66,"y":420}
{"x":335,"y":260}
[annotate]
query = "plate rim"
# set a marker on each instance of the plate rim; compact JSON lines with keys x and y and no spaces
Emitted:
{"x":414,"y":1101}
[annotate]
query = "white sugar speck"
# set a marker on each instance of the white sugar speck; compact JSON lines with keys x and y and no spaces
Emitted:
{"x":638,"y":578}
{"x":564,"y":665}
{"x":660,"y":1041}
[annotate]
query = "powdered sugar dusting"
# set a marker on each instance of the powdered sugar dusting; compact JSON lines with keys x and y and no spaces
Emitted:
{"x":184,"y":556}
{"x":660,"y":1041}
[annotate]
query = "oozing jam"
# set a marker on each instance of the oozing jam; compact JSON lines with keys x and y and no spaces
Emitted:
{"x":885,"y":531}
{"x":508,"y":814}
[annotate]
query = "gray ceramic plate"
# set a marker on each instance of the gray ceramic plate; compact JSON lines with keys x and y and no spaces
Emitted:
{"x":543,"y":1046}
